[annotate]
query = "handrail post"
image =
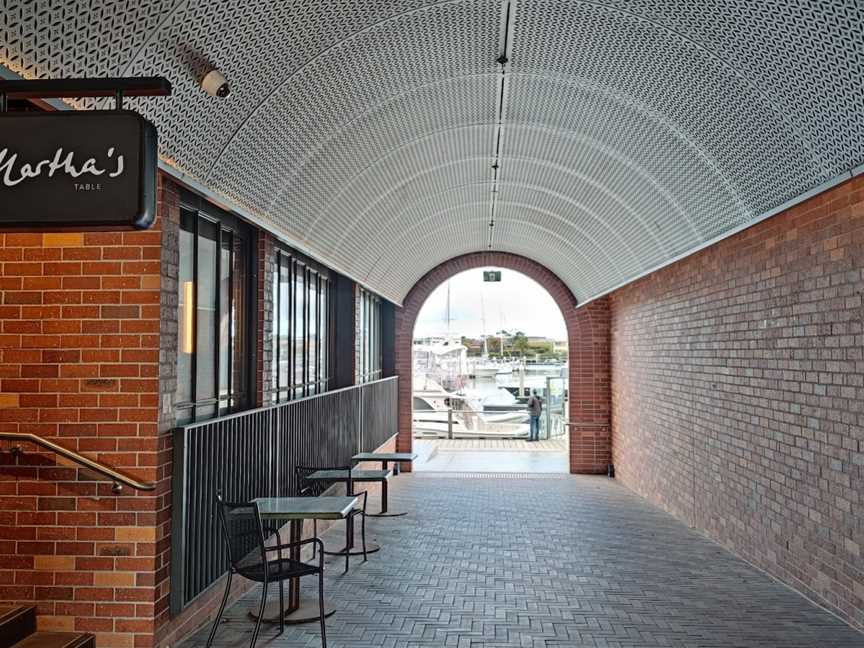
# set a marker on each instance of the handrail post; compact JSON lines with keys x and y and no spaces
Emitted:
{"x":449,"y":422}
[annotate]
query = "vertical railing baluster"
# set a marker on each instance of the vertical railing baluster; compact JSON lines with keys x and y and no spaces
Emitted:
{"x":253,"y":454}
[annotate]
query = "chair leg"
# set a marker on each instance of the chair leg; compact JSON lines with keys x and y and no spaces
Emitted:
{"x":314,"y":535}
{"x":221,"y":610}
{"x":321,"y":608}
{"x":260,"y":615}
{"x":363,"y":534}
{"x":281,"y":606}
{"x":349,"y":538}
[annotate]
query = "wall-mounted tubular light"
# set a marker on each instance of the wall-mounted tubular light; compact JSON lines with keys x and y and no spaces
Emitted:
{"x":187,"y":342}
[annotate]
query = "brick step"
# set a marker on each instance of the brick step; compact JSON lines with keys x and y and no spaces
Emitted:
{"x":57,"y":640}
{"x":16,"y":623}
{"x":18,"y":630}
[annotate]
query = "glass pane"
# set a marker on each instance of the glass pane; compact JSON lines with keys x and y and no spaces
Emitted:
{"x":206,"y":356}
{"x":239,"y":361}
{"x":312,"y":331}
{"x":204,"y":412}
{"x":224,"y":313}
{"x":185,"y":319}
{"x":378,"y":350}
{"x":275,"y":324}
{"x":299,"y":326}
{"x":361,"y":363}
{"x":284,"y":341}
{"x":323,"y":336}
{"x":184,"y":416}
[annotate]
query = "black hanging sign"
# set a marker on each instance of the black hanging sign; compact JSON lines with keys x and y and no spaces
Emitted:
{"x":74,"y":169}
{"x":80,"y":169}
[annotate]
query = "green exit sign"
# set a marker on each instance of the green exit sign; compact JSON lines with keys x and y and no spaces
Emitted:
{"x":491,"y":275}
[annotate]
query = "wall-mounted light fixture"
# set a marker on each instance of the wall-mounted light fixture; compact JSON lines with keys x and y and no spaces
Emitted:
{"x":187,"y":315}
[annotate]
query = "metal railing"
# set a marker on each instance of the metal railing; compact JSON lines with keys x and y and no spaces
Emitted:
{"x":253,"y":454}
{"x":556,"y":426}
{"x":464,"y":423}
{"x":117,"y":477}
{"x":461,"y":423}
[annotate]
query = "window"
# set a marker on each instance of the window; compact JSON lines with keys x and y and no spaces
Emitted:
{"x":213,"y":357}
{"x":301,"y":328}
{"x":369,"y":318}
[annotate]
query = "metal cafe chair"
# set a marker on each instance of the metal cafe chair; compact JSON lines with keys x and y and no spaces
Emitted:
{"x":247,"y":554}
{"x":317,"y":487}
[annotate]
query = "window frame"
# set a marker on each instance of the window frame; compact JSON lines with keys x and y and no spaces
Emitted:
{"x":237,"y":397}
{"x":288,"y":266}
{"x":371,"y":361}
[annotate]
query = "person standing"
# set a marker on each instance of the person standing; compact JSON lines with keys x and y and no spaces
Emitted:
{"x":535,"y":407}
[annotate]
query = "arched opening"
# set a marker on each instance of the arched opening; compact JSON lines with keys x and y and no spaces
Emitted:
{"x":588,"y":407}
{"x":489,"y":372}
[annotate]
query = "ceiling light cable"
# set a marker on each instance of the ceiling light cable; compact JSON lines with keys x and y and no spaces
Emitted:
{"x":502,"y":60}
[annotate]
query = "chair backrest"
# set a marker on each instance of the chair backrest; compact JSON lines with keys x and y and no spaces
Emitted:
{"x":317,"y":487}
{"x":244,"y":533}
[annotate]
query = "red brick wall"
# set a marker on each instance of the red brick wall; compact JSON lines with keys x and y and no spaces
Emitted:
{"x":737,"y":391}
{"x":79,"y":365}
{"x":588,"y":339}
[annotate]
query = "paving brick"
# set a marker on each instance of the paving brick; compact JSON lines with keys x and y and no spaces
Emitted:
{"x":566,"y":561}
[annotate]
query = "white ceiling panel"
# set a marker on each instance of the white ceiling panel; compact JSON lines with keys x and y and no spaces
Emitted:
{"x":625,"y":132}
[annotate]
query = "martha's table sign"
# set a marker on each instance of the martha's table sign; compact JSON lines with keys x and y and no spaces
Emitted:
{"x":76,"y":169}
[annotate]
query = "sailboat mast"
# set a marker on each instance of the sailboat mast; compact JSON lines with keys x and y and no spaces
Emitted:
{"x":447,"y":312}
{"x":483,"y":324}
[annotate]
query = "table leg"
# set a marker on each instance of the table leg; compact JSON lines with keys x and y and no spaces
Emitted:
{"x":384,"y":496}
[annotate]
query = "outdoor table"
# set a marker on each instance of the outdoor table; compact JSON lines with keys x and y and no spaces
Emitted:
{"x":358,"y":475}
{"x":295,"y":510}
{"x":385,"y":458}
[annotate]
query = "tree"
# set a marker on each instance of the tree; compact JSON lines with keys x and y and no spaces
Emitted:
{"x":520,"y":343}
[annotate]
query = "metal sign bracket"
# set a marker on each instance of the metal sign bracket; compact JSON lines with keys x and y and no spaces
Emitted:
{"x":118,"y":87}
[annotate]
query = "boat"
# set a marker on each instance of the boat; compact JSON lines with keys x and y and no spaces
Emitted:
{"x":442,"y":361}
{"x":549,"y":368}
{"x":484,"y":369}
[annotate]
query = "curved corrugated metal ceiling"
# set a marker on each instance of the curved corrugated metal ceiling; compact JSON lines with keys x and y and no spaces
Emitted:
{"x":626,"y":132}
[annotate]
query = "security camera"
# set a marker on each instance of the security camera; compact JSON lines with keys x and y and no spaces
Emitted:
{"x":215,"y":84}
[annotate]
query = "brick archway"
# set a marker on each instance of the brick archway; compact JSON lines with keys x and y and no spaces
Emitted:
{"x":588,"y":332}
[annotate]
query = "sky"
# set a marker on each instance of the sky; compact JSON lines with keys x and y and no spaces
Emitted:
{"x":517,"y":303}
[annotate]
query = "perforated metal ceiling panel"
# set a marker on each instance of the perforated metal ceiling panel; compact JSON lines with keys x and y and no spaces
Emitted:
{"x":631,"y":131}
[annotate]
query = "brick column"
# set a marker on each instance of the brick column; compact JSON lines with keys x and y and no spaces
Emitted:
{"x":80,"y":365}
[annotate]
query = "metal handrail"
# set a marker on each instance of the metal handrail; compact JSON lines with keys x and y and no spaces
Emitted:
{"x":469,"y":411}
{"x":586,"y":425}
{"x":118,"y":478}
{"x":276,"y":406}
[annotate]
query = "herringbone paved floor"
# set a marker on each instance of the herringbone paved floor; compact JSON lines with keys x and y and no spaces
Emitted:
{"x":551,"y":562}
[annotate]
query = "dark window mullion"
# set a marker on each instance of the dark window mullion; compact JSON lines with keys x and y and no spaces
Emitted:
{"x":194,"y":306}
{"x":319,"y":344}
{"x":232,"y":330}
{"x":292,"y":324}
{"x":278,"y":315}
{"x":217,"y":318}
{"x":305,"y":335}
